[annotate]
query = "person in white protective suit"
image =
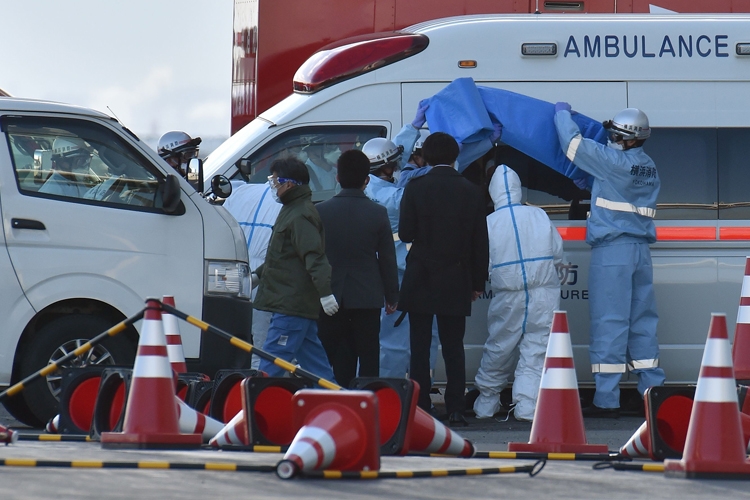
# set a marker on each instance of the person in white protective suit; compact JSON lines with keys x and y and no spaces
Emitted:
{"x":525,"y":252}
{"x":255,"y":208}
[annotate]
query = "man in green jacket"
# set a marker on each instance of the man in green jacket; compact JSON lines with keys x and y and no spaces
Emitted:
{"x":295,"y":279}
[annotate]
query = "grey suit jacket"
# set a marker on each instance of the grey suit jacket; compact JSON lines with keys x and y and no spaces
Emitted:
{"x":359,"y":246}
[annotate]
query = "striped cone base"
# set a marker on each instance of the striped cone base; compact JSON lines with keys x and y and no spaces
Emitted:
{"x":195,"y":422}
{"x":232,"y":434}
{"x":174,"y":340}
{"x":151,"y":415}
{"x":53,"y":426}
{"x":558,"y":420}
{"x":639,"y":445}
{"x":429,"y":435}
{"x":715,"y":446}
{"x":339,"y":432}
{"x":8,"y":436}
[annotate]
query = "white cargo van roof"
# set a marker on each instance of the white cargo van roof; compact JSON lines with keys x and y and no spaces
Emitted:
{"x":22,"y":104}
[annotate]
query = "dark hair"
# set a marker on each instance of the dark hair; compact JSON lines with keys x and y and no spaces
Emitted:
{"x":353,"y":168}
{"x":440,"y":149}
{"x":291,"y":168}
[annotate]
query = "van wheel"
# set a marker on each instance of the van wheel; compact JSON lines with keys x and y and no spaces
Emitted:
{"x":55,"y":340}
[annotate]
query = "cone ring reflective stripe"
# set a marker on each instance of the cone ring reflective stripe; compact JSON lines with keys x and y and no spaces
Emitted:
{"x":8,"y":436}
{"x":638,"y":446}
{"x":741,"y":345}
{"x":53,"y":426}
{"x":558,"y":420}
{"x":709,"y":453}
{"x":429,"y":435}
{"x":233,"y":434}
{"x":195,"y":422}
{"x":174,"y":339}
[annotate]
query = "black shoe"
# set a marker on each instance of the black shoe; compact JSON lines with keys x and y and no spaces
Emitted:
{"x":594,"y":411}
{"x":457,"y":419}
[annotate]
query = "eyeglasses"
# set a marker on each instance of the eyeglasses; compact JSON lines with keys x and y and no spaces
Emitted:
{"x":278,"y":181}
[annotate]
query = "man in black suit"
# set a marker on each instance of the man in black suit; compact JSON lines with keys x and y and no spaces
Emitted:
{"x":443,"y":216}
{"x":359,"y":247}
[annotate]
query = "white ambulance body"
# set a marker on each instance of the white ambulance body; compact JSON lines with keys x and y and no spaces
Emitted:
{"x":689,"y":73}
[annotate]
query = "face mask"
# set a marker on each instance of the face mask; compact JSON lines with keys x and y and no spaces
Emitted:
{"x":274,"y":192}
{"x":332,"y":156}
{"x":617,"y":146}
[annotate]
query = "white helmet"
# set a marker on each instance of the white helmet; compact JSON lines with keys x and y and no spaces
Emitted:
{"x":70,"y":149}
{"x":381,"y":151}
{"x":630,"y":123}
{"x":176,"y":142}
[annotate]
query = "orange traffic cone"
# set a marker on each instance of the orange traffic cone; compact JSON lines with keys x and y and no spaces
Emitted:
{"x":339,"y":431}
{"x":151,"y":418}
{"x":429,"y":435}
{"x":714,"y":446}
{"x":195,"y":422}
{"x":558,"y":420}
{"x":174,"y":339}
{"x":8,"y":436}
{"x":232,"y":434}
{"x":639,"y":444}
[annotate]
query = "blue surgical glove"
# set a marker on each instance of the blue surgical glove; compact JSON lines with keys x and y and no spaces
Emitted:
{"x":497,"y":132}
{"x":581,"y":183}
{"x":560,"y":106}
{"x":419,"y":119}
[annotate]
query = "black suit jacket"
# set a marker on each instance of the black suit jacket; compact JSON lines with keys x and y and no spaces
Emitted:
{"x":443,"y":216}
{"x":360,"y":249}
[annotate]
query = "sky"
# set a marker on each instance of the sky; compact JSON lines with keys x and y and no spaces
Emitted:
{"x":159,"y":65}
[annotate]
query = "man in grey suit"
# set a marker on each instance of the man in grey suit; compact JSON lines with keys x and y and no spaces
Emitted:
{"x":359,"y":247}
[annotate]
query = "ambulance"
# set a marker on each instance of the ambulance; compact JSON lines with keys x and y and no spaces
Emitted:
{"x":93,"y":223}
{"x":689,"y":73}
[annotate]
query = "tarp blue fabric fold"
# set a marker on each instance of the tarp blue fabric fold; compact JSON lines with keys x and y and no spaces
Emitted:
{"x":467,"y":111}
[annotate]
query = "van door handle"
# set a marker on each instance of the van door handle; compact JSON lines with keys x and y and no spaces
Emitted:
{"x":26,"y":224}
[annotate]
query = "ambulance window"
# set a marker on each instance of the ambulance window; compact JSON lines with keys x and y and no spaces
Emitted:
{"x":318,"y":147}
{"x":734,"y":173}
{"x":78,"y":160}
{"x":686,"y":160}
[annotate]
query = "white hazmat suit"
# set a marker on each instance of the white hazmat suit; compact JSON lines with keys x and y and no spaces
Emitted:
{"x":256,"y":211}
{"x":525,"y":251}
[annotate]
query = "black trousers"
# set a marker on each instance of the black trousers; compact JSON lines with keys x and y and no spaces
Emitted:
{"x":451,"y":331}
{"x":349,"y":336}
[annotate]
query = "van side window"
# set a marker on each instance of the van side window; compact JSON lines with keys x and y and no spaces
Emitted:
{"x":74,"y":159}
{"x":318,"y":147}
{"x":734,"y":173}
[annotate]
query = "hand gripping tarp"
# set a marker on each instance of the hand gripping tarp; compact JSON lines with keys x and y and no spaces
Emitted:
{"x":467,"y":112}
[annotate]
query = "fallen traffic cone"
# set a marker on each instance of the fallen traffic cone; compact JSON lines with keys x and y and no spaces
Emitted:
{"x":195,"y":422}
{"x":7,"y":435}
{"x":338,"y":431}
{"x":174,"y":339}
{"x":151,"y":418}
{"x":714,"y":446}
{"x":268,"y":402}
{"x":558,"y":420}
{"x":53,"y":426}
{"x":639,"y":444}
{"x":234,"y":433}
{"x":429,"y":435}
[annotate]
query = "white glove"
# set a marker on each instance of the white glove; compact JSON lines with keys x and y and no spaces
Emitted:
{"x":255,"y":280}
{"x":330,"y":306}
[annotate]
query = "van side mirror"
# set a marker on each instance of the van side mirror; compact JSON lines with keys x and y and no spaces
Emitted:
{"x":171,"y":194}
{"x":194,"y":174}
{"x":220,"y":186}
{"x":245,"y":168}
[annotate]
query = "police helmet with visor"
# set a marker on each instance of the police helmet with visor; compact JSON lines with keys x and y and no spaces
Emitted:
{"x":628,"y":124}
{"x":71,"y":150}
{"x":178,"y":144}
{"x":380,"y":152}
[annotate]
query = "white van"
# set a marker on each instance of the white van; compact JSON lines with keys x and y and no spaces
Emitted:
{"x":93,"y":223}
{"x":689,"y":73}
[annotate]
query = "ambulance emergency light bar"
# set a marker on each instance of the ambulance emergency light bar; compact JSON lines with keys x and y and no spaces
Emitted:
{"x":355,"y":56}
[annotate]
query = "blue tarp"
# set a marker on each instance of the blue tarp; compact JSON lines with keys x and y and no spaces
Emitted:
{"x":467,"y":112}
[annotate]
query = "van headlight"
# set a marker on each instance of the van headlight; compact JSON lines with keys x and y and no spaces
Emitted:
{"x":228,"y":278}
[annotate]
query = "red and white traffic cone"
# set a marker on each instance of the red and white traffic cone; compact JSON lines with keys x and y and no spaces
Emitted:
{"x":339,"y":431}
{"x":429,"y":435}
{"x":558,"y":420}
{"x":234,"y":433}
{"x":7,"y":435}
{"x":715,"y":446}
{"x":174,"y":339}
{"x":151,"y":418}
{"x":639,"y":444}
{"x":195,"y":422}
{"x":53,"y":426}
{"x":741,"y":346}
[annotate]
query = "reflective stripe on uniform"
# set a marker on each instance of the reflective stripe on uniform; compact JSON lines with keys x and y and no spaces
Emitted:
{"x":642,"y":364}
{"x":573,"y":147}
{"x":608,"y":368}
{"x":620,"y":206}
